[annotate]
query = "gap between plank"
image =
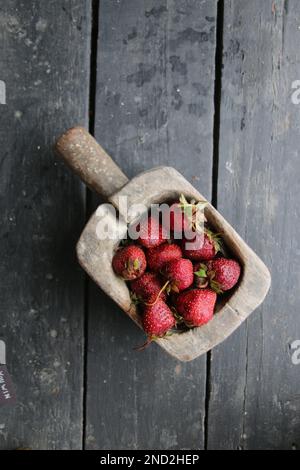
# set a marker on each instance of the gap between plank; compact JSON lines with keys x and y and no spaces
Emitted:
{"x":88,"y":197}
{"x":215,"y":170}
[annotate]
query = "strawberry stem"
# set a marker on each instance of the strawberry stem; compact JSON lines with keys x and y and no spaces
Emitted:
{"x":158,"y":295}
{"x":145,"y":345}
{"x":150,"y":339}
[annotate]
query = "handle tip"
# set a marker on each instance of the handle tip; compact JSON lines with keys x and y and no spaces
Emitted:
{"x":78,"y":148}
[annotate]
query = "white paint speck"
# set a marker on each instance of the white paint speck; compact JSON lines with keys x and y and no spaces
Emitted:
{"x":18,"y":114}
{"x":56,"y":364}
{"x":32,"y":312}
{"x":229,"y":167}
{"x":53,"y":334}
{"x":2,"y":92}
{"x":28,"y":42}
{"x":41,"y":25}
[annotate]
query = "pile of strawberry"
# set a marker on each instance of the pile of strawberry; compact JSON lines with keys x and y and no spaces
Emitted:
{"x":175,"y":285}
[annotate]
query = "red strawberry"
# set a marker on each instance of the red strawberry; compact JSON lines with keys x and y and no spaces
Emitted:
{"x":129,"y":262}
{"x":157,"y":257}
{"x":196,"y":306}
{"x":179,"y":222}
{"x":151,"y":232}
{"x":158,"y":319}
{"x":186,"y":216}
{"x":223,"y":274}
{"x":180,"y":274}
{"x":206,"y":246}
{"x":148,"y":287}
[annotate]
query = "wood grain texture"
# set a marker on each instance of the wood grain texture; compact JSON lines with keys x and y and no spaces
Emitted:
{"x":154,"y":106}
{"x":254,"y":402}
{"x":45,"y":65}
{"x":90,"y":161}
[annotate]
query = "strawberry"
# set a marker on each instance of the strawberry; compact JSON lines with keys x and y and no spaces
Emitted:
{"x":180,"y":274}
{"x":196,"y":306}
{"x":157,"y":319}
{"x":206,"y":246}
{"x":157,"y":257}
{"x":148,"y":288}
{"x":185,"y":216}
{"x":223,"y":274}
{"x":151,"y":232}
{"x":129,"y":262}
{"x":179,"y":222}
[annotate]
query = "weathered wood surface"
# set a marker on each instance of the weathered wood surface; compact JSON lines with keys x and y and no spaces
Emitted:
{"x":45,"y":65}
{"x":255,"y":398}
{"x":154,"y":106}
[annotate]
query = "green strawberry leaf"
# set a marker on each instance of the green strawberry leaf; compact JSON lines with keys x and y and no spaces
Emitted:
{"x":201,"y":273}
{"x":216,"y":287}
{"x":134,"y":298}
{"x":215,"y":239}
{"x":168,"y":334}
{"x":183,"y":201}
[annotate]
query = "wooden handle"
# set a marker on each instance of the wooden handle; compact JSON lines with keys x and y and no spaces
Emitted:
{"x":90,"y":162}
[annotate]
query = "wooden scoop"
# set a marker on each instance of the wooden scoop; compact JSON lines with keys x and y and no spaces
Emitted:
{"x":85,"y":156}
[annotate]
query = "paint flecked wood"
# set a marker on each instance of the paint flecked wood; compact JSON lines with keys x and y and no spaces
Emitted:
{"x":45,"y":65}
{"x":254,"y":402}
{"x":154,"y":106}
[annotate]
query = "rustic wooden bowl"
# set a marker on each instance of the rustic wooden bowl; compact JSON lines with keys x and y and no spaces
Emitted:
{"x":85,"y":156}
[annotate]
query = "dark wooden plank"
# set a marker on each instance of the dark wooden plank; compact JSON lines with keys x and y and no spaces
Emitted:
{"x":154,"y":106}
{"x":255,"y":386}
{"x":45,"y":65}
